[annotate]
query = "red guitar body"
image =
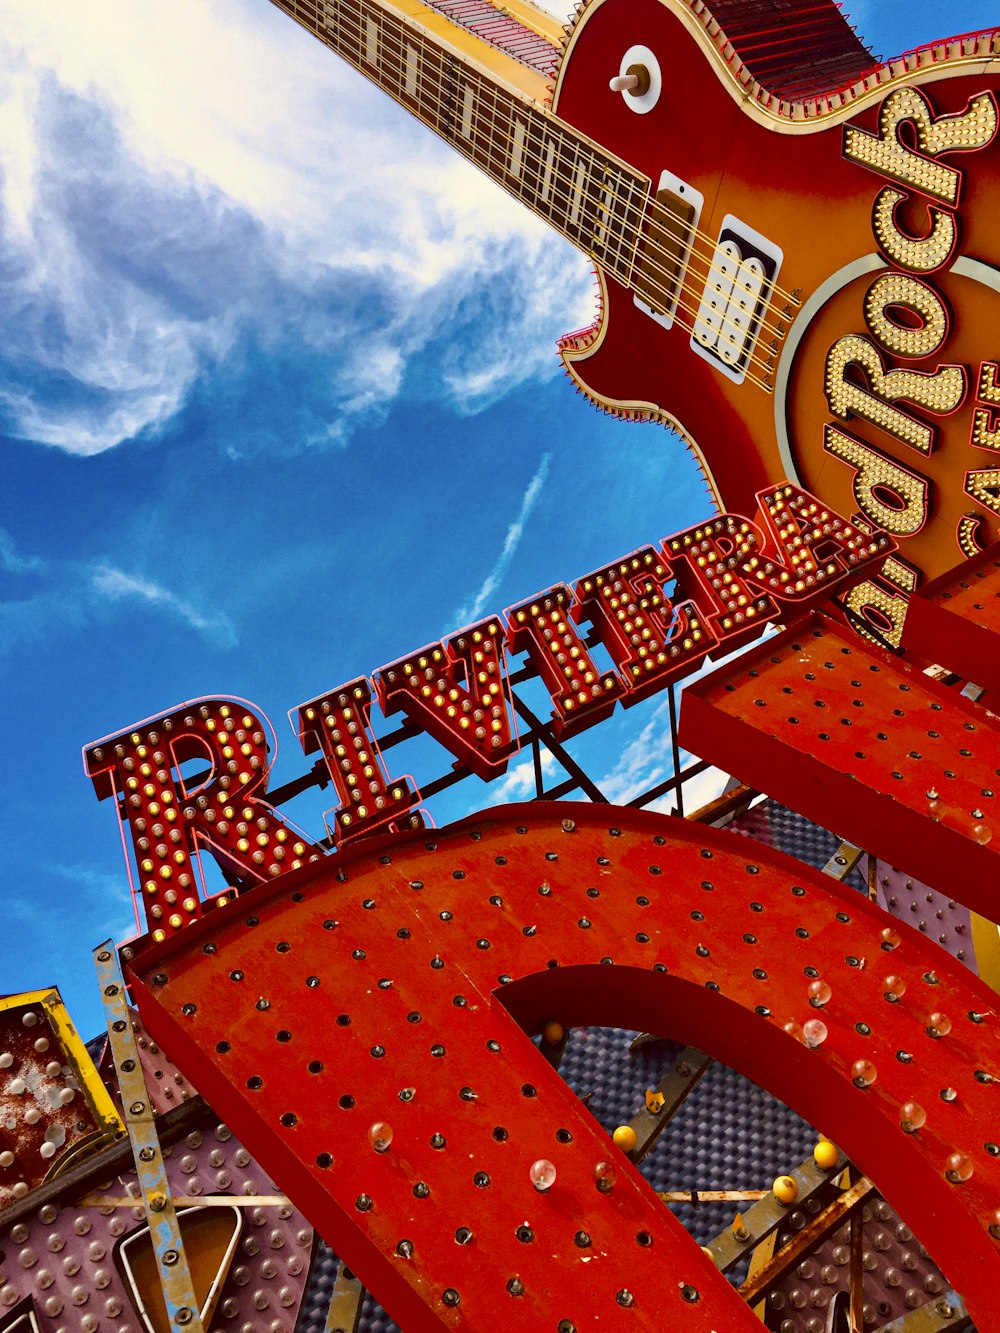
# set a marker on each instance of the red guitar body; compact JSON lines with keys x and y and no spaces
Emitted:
{"x":916,"y":455}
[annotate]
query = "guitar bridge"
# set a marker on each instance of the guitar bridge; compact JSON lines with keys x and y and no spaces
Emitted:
{"x":738,"y":286}
{"x":665,"y":252}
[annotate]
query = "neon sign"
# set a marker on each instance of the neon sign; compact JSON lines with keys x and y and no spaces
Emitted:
{"x":658,"y":612}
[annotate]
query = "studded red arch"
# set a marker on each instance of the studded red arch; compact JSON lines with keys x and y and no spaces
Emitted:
{"x":396,"y":987}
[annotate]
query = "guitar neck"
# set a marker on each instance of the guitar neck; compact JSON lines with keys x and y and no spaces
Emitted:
{"x":595,"y":200}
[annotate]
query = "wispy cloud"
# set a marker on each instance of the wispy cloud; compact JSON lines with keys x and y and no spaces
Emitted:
{"x":511,"y":542}
{"x":198,"y":204}
{"x":119,"y":586}
{"x":643,"y":762}
{"x":518,"y":783}
{"x":11,"y":561}
{"x":65,"y":595}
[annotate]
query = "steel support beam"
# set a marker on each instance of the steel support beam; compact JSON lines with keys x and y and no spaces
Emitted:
{"x":164,"y":1230}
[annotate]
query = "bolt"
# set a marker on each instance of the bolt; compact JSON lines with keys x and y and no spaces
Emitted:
{"x":183,"y":1315}
{"x":170,"y":1257}
{"x":137,"y":1108}
{"x":104,"y":956}
{"x":157,"y":1203}
{"x":110,"y":990}
{"x":945,"y":1310}
{"x":146,"y":1154}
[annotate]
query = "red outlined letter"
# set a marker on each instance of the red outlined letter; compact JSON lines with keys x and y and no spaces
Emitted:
{"x":457,"y":692}
{"x":226,"y":814}
{"x":338,"y":723}
{"x":582,"y":693}
{"x":403,"y":1106}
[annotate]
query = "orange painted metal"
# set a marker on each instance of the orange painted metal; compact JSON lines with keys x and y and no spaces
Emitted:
{"x":865,"y":744}
{"x":362,"y":1026}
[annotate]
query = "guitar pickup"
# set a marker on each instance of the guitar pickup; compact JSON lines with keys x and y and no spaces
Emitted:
{"x":665,"y":253}
{"x":737,"y":287}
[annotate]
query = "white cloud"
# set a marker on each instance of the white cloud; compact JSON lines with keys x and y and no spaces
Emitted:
{"x":512,"y":541}
{"x":11,"y":561}
{"x":518,"y":783}
{"x":183,"y":184}
{"x":645,"y":761}
{"x":116,"y":585}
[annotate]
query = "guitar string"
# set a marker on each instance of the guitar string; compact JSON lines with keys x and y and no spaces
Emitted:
{"x":393,"y":40}
{"x":425,"y":46}
{"x":677,"y":289}
{"x":391,"y":44}
{"x":394,"y":48}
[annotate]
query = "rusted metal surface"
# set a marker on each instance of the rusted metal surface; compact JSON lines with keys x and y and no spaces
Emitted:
{"x":397,"y":988}
{"x":346,"y":1301}
{"x":673,"y":1088}
{"x":171,"y":1260}
{"x":767,"y":1215}
{"x":832,"y":1216}
{"x":53,"y":1107}
{"x":945,"y":1314}
{"x":861,"y":741}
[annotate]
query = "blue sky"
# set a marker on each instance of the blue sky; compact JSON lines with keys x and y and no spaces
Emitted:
{"x":279,"y":402}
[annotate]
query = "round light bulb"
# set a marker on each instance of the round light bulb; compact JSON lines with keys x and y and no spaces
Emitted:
{"x":542,"y":1175}
{"x":912,"y":1117}
{"x":863,"y":1073}
{"x":814,"y":1030}
{"x":604,"y":1177}
{"x":380,"y":1136}
{"x":958,"y":1168}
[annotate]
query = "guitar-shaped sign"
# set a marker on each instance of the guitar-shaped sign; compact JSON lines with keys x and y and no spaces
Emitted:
{"x":795,"y":245}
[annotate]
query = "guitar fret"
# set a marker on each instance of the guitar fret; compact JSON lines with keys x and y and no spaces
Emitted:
{"x":596,"y":202}
{"x":517,"y":138}
{"x":468,"y":99}
{"x":548,"y":160}
{"x":412,"y":63}
{"x":576,"y":192}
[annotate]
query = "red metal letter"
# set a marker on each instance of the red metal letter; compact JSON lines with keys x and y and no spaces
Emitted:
{"x":582,"y":693}
{"x":374,"y":1067}
{"x":650,"y":639}
{"x":456,"y":690}
{"x":862,"y":741}
{"x":170,"y":824}
{"x":338,"y":723}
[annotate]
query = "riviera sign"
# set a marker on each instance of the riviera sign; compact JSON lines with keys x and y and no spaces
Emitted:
{"x":658,"y":612}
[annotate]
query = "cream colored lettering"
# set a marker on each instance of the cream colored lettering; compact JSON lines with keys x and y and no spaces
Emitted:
{"x":891,"y":496}
{"x":940,"y":392}
{"x":985,"y":433}
{"x":887,"y":154}
{"x":919,"y":254}
{"x":898,"y":291}
{"x":983,"y":484}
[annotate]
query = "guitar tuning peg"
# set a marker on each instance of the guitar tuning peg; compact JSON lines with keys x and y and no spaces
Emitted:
{"x":635,"y":79}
